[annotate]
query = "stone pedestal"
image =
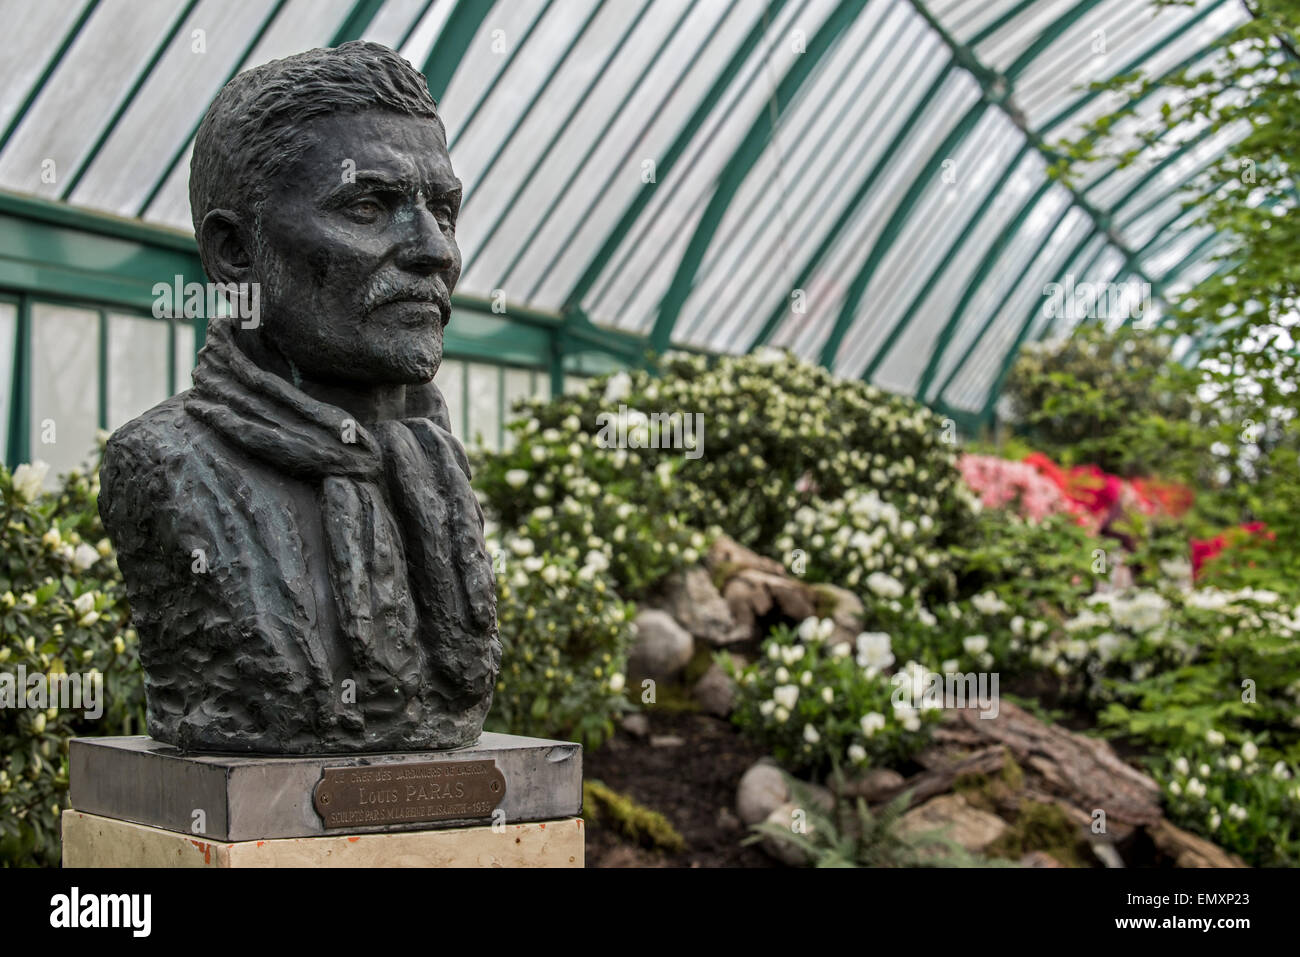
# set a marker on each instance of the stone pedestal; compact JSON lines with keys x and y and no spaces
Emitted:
{"x":506,"y":801}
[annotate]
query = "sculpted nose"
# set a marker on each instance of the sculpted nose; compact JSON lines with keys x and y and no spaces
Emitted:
{"x":429,"y":249}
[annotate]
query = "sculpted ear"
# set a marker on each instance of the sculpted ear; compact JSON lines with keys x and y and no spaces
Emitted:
{"x":226,"y":247}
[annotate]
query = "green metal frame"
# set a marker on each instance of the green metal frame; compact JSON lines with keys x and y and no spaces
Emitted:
{"x":742,"y":161}
{"x":51,"y":65}
{"x":545,"y":153}
{"x":141,"y":78}
{"x":855,"y":98}
{"x":684,"y":136}
{"x":860,"y":195}
{"x":454,"y":39}
{"x":614,"y":116}
{"x":504,"y":143}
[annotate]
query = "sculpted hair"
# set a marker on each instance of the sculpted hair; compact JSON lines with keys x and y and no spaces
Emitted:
{"x":253,"y":129}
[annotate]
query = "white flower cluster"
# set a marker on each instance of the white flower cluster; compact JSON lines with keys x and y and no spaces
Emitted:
{"x":868,"y":538}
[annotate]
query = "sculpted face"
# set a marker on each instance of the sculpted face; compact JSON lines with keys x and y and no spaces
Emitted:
{"x":358,"y":253}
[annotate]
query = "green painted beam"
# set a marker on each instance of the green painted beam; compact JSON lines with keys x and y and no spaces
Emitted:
{"x":544,"y":154}
{"x":965,"y":55}
{"x":20,"y":402}
{"x":756,"y":76}
{"x":859,"y":197}
{"x":456,"y":36}
{"x":1139,"y":61}
{"x":943,"y":261}
{"x":898,"y":221}
{"x":141,"y":78}
{"x":51,"y":65}
{"x":819,"y":150}
{"x":355,"y":23}
{"x":652,"y":114}
{"x":503,"y":142}
{"x":703,"y":109}
{"x":993,"y":92}
{"x":449,"y":49}
{"x":597,"y":141}
{"x":413,"y":26}
{"x":996,"y":389}
{"x":185,"y":142}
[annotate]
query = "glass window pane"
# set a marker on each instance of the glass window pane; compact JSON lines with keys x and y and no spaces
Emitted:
{"x":65,"y":385}
{"x":451,"y":382}
{"x":8,"y":329}
{"x":184,"y":356}
{"x":484,"y":405}
{"x":137,"y":366}
{"x":518,"y":385}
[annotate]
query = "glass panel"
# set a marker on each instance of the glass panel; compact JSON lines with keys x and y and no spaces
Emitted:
{"x":137,"y":366}
{"x":184,"y":355}
{"x":518,"y":385}
{"x":8,"y":330}
{"x":484,"y":405}
{"x":65,"y":385}
{"x":451,"y":382}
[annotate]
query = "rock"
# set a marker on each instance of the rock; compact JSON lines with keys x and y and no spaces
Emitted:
{"x":844,"y":608}
{"x":727,"y":822}
{"x":663,"y":647}
{"x":785,"y":851}
{"x":715,"y":692}
{"x":666,"y":741}
{"x":1105,"y":852}
{"x":1188,"y":850}
{"x":1039,"y":859}
{"x":727,"y":556}
{"x":637,"y":724}
{"x":762,"y":789}
{"x":970,"y":827}
{"x":874,"y":784}
{"x":752,"y":595}
{"x":690,"y":597}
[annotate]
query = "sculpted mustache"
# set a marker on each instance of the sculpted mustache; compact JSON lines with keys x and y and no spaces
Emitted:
{"x":382,"y":293}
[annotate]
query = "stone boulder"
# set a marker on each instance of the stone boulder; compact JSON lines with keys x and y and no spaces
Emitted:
{"x":715,"y":692}
{"x":970,"y":827}
{"x":691,"y":598}
{"x":662,"y":648}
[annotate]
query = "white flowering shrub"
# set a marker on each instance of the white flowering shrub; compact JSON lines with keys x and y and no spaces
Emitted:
{"x":63,"y":612}
{"x":565,"y":637}
{"x":1236,"y":797}
{"x":775,"y":433}
{"x":817,"y":706}
{"x":781,"y":430}
{"x":559,"y":487}
{"x":1173,"y":666}
{"x":860,"y":540}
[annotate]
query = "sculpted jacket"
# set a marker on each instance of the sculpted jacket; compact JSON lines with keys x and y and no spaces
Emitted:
{"x":301,"y":584}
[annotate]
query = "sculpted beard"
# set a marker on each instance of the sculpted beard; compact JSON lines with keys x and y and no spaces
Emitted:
{"x":373,"y":349}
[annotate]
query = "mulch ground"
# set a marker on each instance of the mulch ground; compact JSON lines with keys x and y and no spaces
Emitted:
{"x":693,"y":784}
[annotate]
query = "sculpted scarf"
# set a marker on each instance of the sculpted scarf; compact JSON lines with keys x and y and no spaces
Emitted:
{"x":413,"y":586}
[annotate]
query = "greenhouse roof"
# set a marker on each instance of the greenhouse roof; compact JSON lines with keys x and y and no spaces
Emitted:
{"x":862,"y":181}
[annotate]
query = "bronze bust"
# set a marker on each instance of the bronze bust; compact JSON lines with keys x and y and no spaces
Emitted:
{"x":302,"y":549}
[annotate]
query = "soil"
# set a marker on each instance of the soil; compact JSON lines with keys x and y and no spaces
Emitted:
{"x":692,"y":783}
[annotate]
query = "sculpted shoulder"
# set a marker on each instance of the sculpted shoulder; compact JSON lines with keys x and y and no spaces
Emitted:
{"x":150,"y":459}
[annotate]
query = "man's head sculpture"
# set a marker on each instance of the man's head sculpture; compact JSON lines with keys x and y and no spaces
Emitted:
{"x":302,"y":550}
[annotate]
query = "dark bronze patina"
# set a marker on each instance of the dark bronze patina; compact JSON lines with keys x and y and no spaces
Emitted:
{"x":408,"y":793}
{"x":301,"y":547}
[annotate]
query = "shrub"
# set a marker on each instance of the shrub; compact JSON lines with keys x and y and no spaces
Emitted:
{"x":816,"y":705}
{"x":63,"y":612}
{"x":1235,"y":798}
{"x":566,"y":638}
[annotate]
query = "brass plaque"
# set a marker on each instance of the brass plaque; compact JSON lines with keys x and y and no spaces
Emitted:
{"x":408,"y":793}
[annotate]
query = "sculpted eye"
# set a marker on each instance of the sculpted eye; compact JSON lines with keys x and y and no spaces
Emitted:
{"x":365,"y":210}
